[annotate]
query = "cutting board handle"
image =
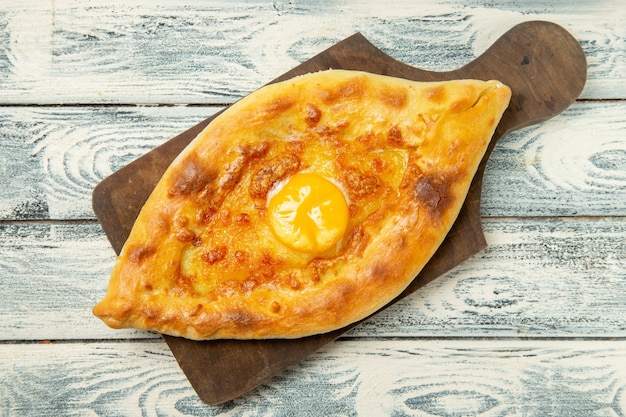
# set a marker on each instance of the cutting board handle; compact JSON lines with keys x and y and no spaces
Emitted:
{"x":546,"y":69}
{"x":542,"y":63}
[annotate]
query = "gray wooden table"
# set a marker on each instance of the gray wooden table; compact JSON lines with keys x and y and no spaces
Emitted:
{"x":535,"y":325}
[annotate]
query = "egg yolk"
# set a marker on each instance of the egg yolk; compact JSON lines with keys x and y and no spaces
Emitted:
{"x":309,"y":213}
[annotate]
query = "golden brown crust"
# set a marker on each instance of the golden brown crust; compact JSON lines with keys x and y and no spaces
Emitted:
{"x":201,"y":261}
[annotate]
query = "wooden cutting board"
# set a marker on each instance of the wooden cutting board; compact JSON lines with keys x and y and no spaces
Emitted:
{"x":546,"y":70}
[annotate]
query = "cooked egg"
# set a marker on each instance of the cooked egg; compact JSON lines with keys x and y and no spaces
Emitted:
{"x":308,"y":213}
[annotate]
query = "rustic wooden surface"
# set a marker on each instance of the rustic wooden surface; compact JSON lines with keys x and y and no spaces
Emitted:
{"x":534,"y":325}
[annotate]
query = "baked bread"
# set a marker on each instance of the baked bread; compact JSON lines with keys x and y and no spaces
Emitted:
{"x":304,"y":207}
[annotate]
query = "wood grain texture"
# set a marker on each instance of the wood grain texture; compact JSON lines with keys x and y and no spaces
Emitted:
{"x":572,"y":165}
{"x":51,"y":275}
{"x":538,"y":278}
{"x":51,"y":158}
{"x":365,"y":378}
{"x":497,"y":336}
{"x":216,"y":52}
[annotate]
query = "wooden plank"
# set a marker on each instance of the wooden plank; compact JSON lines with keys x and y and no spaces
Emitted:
{"x":51,"y":274}
{"x":216,"y":52}
{"x":572,"y":165}
{"x":364,"y":377}
{"x":538,"y":278}
{"x":52,"y":158}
